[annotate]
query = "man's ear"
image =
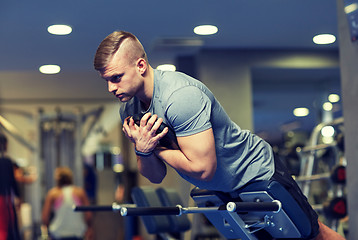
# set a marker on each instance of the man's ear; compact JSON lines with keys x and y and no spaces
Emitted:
{"x":142,"y":65}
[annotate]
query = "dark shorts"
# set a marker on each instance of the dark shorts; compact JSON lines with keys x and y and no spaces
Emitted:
{"x":283,"y":176}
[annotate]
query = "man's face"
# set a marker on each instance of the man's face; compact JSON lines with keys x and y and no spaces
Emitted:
{"x":122,"y":76}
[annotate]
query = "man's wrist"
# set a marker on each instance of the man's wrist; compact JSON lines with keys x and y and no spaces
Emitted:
{"x":143,"y":154}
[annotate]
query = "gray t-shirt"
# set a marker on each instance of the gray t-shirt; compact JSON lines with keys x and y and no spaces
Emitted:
{"x":188,"y":107}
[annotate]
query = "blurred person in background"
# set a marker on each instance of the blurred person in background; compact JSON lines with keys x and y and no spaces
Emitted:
{"x":66,"y":224}
{"x":9,"y":194}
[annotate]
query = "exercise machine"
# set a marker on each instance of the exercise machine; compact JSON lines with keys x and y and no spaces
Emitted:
{"x":261,"y":206}
{"x":324,"y":165}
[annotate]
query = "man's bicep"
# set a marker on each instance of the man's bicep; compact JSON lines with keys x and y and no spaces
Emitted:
{"x":199,"y":148}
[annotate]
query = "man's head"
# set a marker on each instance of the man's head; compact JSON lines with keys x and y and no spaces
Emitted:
{"x":122,"y":62}
{"x":111,"y":44}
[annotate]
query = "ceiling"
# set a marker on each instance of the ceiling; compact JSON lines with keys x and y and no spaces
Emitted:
{"x":25,"y":44}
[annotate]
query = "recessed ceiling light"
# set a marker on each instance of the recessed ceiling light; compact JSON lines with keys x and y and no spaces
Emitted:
{"x":301,"y":112}
{"x":205,"y":30}
{"x":351,"y":8}
{"x":327,"y":131}
{"x":324,"y":39}
{"x":50,"y":69}
{"x":59,"y":29}
{"x":118,"y":167}
{"x":333,"y":98}
{"x":327,"y":106}
{"x":167,"y":67}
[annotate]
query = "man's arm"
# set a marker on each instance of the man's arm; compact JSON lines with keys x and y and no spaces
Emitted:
{"x":145,"y":140}
{"x":196,"y":157}
{"x":152,"y":168}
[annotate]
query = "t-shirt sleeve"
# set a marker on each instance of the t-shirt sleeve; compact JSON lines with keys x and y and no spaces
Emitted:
{"x":188,"y":111}
{"x":122,"y":113}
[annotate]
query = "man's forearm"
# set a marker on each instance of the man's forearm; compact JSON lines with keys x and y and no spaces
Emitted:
{"x":178,"y":160}
{"x":152,"y":168}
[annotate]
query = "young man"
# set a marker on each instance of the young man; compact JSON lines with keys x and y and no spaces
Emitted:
{"x":212,"y":152}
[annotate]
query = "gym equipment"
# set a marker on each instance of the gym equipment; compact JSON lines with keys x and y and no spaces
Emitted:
{"x":309,"y":153}
{"x":262,"y":205}
{"x":166,"y":226}
{"x":338,"y":174}
{"x":335,"y":208}
{"x":148,"y":200}
{"x":288,"y":222}
{"x":324,"y":166}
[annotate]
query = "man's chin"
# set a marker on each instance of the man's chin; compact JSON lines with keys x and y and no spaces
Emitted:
{"x":124,"y":99}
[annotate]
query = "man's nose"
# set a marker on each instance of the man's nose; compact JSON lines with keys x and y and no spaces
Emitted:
{"x":112,"y":88}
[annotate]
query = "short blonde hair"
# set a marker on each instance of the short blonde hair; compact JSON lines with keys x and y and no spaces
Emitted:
{"x":110,"y":45}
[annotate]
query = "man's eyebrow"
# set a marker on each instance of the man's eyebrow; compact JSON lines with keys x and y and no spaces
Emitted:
{"x":113,"y":77}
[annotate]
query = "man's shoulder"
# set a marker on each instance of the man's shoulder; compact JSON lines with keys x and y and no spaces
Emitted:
{"x":170,"y":83}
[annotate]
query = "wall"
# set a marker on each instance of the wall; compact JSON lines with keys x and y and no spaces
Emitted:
{"x":228,"y":74}
{"x":349,"y":81}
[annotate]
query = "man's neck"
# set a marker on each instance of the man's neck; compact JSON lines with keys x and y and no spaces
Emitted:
{"x":148,"y":87}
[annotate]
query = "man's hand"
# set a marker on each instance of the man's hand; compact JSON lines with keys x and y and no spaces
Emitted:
{"x":144,"y":136}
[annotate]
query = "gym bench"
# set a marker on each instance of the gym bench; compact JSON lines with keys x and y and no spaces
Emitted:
{"x":262,"y":205}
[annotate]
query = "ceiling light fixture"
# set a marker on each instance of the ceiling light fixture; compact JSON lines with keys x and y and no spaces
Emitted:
{"x":301,"y":112}
{"x":167,"y":67}
{"x":333,"y":98}
{"x":205,"y":30}
{"x":351,"y":8}
{"x":327,"y":106}
{"x":324,"y":39}
{"x":327,"y":131}
{"x":49,"y":69}
{"x":59,"y":29}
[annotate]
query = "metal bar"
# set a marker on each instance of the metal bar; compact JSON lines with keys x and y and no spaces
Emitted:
{"x":92,"y":208}
{"x":145,"y":211}
{"x":313,"y":177}
{"x":318,"y":207}
{"x":274,"y":206}
{"x":199,"y":210}
{"x":132,"y":210}
{"x":317,"y":147}
{"x":114,"y":207}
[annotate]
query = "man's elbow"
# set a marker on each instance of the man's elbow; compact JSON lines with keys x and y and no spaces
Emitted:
{"x":207,"y":177}
{"x":155,"y":181}
{"x":153,"y":178}
{"x":207,"y":174}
